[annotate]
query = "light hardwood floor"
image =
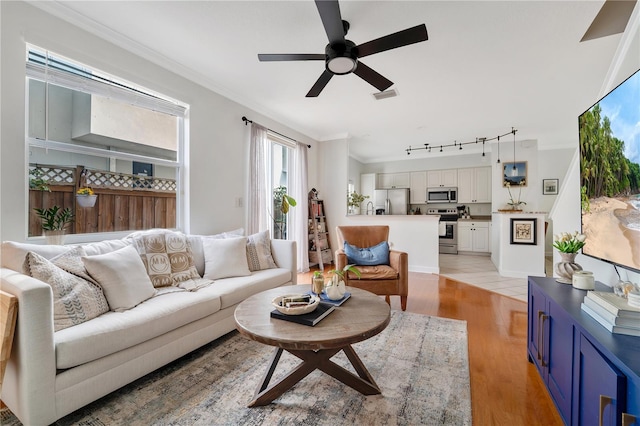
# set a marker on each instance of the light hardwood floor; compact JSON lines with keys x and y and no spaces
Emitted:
{"x":505,"y":388}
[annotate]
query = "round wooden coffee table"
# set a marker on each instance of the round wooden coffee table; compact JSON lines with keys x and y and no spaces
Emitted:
{"x":362,"y":316}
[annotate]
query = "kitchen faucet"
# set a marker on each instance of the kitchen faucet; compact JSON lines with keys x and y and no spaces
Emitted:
{"x":367,"y":212}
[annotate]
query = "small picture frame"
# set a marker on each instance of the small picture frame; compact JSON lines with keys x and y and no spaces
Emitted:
{"x":514,"y":173}
{"x":524,"y":231}
{"x":549,"y":186}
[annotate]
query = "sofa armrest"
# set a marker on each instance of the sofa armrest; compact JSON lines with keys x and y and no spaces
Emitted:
{"x":28,"y":388}
{"x":285,"y":255}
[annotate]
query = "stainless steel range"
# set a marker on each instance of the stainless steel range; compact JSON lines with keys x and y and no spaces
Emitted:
{"x":447,"y":229}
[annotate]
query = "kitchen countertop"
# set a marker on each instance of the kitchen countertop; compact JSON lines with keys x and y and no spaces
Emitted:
{"x":476,"y":219}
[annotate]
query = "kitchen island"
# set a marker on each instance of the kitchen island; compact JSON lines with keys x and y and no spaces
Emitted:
{"x":417,"y":235}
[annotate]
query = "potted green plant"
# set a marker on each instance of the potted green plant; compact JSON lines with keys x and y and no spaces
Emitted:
{"x":85,"y":197}
{"x":317,"y":282}
{"x":54,"y":221}
{"x":354,"y":200}
{"x":335,"y":288}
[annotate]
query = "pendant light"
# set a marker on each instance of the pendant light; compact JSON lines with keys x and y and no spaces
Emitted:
{"x":498,"y":162}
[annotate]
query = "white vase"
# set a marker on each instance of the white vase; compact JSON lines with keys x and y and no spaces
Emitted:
{"x":565,"y":268}
{"x":335,"y":289}
{"x":54,"y":237}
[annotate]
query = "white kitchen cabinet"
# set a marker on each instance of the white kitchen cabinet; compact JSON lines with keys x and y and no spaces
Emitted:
{"x":367,"y":188}
{"x":474,"y":185}
{"x":393,"y":180}
{"x":442,"y":178}
{"x":473,"y":236}
{"x":418,"y":188}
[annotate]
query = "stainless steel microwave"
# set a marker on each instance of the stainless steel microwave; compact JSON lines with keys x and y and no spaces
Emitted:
{"x":442,"y":195}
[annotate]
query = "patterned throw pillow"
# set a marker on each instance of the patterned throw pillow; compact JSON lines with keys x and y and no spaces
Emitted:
{"x":71,"y":261}
{"x":259,"y":252}
{"x":166,"y":255}
{"x":75,"y":300}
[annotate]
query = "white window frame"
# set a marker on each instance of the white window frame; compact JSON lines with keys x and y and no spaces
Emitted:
{"x":119,"y":89}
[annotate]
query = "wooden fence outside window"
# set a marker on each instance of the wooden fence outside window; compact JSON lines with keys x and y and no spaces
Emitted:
{"x":125,"y":202}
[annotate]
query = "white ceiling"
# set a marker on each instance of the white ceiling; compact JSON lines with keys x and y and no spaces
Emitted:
{"x":487,"y":66}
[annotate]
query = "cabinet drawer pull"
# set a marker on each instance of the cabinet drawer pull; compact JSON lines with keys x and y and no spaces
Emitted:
{"x":538,"y":339}
{"x":544,"y":318}
{"x":604,"y":401}
{"x":628,"y":419}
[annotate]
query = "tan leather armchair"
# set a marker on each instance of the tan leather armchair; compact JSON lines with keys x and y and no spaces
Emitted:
{"x":386,"y":280}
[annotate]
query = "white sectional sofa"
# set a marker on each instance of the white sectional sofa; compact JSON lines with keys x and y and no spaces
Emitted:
{"x":53,"y":373}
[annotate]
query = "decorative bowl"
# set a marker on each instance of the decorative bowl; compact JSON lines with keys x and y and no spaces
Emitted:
{"x":296,"y":310}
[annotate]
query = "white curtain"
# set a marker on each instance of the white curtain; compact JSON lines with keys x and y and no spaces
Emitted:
{"x":258,"y":216}
{"x":298,"y":216}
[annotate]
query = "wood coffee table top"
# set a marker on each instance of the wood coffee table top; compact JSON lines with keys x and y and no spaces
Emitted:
{"x":362,"y":316}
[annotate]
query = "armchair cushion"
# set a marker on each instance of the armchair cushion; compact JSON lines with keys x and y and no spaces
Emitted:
{"x":367,"y":256}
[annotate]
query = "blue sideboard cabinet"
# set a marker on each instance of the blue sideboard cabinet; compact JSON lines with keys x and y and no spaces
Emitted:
{"x":593,"y":376}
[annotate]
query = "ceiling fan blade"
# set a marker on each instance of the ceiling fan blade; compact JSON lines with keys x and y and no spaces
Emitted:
{"x":401,"y":38}
{"x":265,"y":57}
{"x":331,"y":20}
{"x":612,"y":19}
{"x":372,"y":77}
{"x":322,"y":81}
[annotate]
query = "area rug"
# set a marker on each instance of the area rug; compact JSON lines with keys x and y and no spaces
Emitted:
{"x":420,"y":363}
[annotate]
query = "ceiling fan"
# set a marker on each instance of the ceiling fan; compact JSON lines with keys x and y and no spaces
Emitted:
{"x":342,"y":56}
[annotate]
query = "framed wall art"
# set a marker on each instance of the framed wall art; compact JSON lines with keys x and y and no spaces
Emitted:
{"x":524,"y":231}
{"x":514,"y":173}
{"x":549,"y":186}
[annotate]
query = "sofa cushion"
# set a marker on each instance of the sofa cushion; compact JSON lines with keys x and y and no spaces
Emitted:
{"x":235,"y":289}
{"x":225,"y":258}
{"x":106,"y":246}
{"x":122,"y":276}
{"x":259,"y":252}
{"x":75,"y":300}
{"x":115,"y":331}
{"x":14,"y":254}
{"x":166,"y":255}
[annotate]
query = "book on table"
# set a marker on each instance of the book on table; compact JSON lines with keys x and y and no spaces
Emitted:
{"x":325,"y":299}
{"x":617,"y":329}
{"x":616,"y":305}
{"x":311,"y":319}
{"x":624,"y":321}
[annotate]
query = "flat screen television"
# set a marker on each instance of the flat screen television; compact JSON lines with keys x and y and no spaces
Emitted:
{"x":610,"y":176}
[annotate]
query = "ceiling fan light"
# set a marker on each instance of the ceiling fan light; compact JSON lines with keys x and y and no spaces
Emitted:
{"x":341,"y":65}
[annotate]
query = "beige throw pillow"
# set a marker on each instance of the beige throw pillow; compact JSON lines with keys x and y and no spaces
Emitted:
{"x":167,"y":256}
{"x":259,"y":252}
{"x":225,"y":258}
{"x":75,"y":300}
{"x":122,"y":276}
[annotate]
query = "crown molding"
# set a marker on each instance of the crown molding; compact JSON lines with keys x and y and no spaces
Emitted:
{"x":61,"y":11}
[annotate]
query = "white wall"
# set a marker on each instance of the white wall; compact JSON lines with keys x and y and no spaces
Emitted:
{"x":566,"y":212}
{"x":216,"y":172}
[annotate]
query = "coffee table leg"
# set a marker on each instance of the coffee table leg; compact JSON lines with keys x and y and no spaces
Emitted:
{"x":312,"y":360}
{"x":321,"y":360}
{"x":275,"y":358}
{"x":358,"y":365}
{"x":265,"y":396}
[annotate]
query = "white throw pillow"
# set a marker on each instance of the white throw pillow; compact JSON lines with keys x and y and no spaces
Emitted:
{"x":259,"y":252}
{"x":122,"y":276}
{"x":225,"y":257}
